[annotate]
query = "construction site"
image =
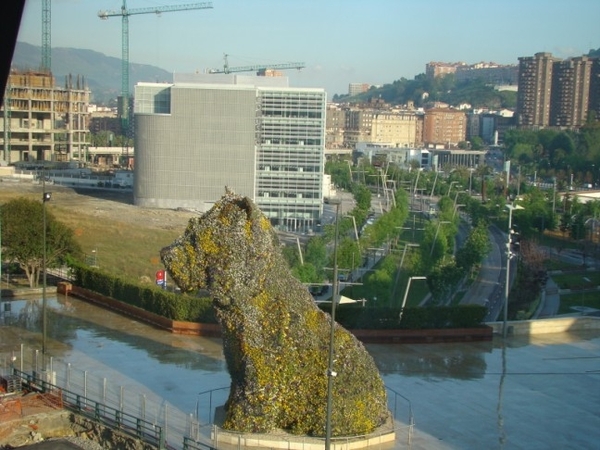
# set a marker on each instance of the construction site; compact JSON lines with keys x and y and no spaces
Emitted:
{"x":41,"y":121}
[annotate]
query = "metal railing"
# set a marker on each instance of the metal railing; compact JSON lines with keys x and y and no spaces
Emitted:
{"x":149,"y":417}
{"x":119,"y":404}
{"x":106,"y":415}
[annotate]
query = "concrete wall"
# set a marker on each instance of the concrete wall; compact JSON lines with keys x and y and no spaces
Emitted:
{"x":543,"y":326}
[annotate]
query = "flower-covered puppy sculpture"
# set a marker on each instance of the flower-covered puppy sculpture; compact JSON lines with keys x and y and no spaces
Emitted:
{"x":275,"y":339}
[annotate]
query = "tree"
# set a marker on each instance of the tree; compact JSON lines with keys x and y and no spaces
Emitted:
{"x":475,"y":249}
{"x":23,"y":238}
{"x":476,"y":143}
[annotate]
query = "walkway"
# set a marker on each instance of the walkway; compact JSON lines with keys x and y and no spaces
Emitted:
{"x":466,"y":396}
{"x":488,"y":288}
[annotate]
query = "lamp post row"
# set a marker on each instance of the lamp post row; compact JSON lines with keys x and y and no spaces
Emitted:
{"x":507,"y":283}
{"x":330,"y":372}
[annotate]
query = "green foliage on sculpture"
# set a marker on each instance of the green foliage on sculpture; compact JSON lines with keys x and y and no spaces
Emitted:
{"x":275,"y":339}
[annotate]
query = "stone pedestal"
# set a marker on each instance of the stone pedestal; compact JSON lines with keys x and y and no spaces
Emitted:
{"x":382,"y":438}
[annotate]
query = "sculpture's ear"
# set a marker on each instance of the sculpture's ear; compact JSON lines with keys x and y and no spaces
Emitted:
{"x":245,"y":204}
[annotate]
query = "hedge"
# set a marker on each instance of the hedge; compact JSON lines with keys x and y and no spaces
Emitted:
{"x":199,"y":309}
{"x":357,"y":317}
{"x":148,"y":297}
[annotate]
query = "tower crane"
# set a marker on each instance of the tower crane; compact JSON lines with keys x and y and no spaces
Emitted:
{"x":125,"y":13}
{"x":256,"y":68}
{"x":46,"y":36}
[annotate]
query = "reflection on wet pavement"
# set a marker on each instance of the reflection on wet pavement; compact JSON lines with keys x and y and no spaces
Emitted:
{"x":540,"y":392}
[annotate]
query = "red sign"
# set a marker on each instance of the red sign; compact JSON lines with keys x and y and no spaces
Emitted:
{"x":160,"y":277}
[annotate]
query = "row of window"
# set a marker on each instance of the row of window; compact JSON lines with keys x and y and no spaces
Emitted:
{"x":280,"y":194}
{"x":267,"y":168}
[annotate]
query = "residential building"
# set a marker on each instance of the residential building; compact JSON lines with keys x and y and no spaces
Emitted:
{"x":444,"y":127}
{"x":334,"y":128}
{"x":357,"y":88}
{"x":489,"y":125}
{"x":385,"y":126}
{"x":436,"y":69}
{"x":570,"y":92}
{"x":41,"y":121}
{"x":491,"y":73}
{"x":255,"y":135}
{"x":595,"y":88}
{"x":535,"y":88}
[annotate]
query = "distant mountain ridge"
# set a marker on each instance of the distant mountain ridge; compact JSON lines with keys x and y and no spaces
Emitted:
{"x":102,"y":73}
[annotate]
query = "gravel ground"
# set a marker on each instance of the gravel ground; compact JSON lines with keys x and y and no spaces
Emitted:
{"x":66,"y":443}
{"x":113,"y":203}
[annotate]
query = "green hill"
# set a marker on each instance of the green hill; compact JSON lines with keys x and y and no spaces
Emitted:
{"x":102,"y":73}
{"x":422,"y":89}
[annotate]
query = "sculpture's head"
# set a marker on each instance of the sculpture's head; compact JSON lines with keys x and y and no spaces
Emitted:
{"x":227,"y":251}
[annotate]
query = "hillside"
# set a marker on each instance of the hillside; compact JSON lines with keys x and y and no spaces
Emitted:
{"x":422,"y":89}
{"x":102,"y":73}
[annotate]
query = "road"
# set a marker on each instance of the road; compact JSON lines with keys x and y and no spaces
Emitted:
{"x":489,"y":288}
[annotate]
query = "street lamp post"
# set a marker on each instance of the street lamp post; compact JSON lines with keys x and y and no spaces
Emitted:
{"x":450,"y":187}
{"x":334,"y":299}
{"x":437,"y":230}
{"x":406,"y":293}
{"x":460,"y":205}
{"x":408,"y":244}
{"x":507,"y":284}
{"x":45,"y":198}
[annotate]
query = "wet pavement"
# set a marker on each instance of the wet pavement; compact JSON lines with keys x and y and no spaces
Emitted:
{"x":532,"y":393}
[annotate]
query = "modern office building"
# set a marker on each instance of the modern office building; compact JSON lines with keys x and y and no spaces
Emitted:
{"x":255,"y":135}
{"x":535,"y":88}
{"x":570,"y":92}
{"x":41,"y":121}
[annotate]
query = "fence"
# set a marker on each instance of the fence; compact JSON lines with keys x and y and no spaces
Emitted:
{"x":100,"y":412}
{"x":145,"y":415}
{"x":97,"y":397}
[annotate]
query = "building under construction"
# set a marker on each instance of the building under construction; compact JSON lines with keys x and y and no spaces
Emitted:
{"x":44,"y":122}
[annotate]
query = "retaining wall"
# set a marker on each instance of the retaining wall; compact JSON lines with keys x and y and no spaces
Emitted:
{"x":214,"y":330}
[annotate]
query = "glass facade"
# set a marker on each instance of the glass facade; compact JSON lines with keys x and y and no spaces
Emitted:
{"x":264,"y":142}
{"x":290,"y":158}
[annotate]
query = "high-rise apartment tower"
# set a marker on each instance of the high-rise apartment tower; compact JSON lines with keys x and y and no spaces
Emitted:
{"x":535,"y":88}
{"x":570,"y":92}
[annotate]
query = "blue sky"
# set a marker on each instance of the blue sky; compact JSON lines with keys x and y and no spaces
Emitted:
{"x":340,"y":41}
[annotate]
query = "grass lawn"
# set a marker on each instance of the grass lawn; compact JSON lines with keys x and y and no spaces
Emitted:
{"x":121,"y":248}
{"x":552,"y":264}
{"x":555,"y":239}
{"x":577,"y":280}
{"x":581,"y":299}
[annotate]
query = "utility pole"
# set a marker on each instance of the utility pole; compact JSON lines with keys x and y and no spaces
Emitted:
{"x":334,"y":299}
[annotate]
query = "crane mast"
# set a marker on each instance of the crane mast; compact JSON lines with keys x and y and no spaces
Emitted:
{"x":124,"y":13}
{"x":46,"y":36}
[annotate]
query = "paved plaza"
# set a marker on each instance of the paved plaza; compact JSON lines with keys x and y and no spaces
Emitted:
{"x":539,"y":392}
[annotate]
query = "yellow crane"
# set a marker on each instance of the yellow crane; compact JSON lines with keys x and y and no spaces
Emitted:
{"x":125,"y":13}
